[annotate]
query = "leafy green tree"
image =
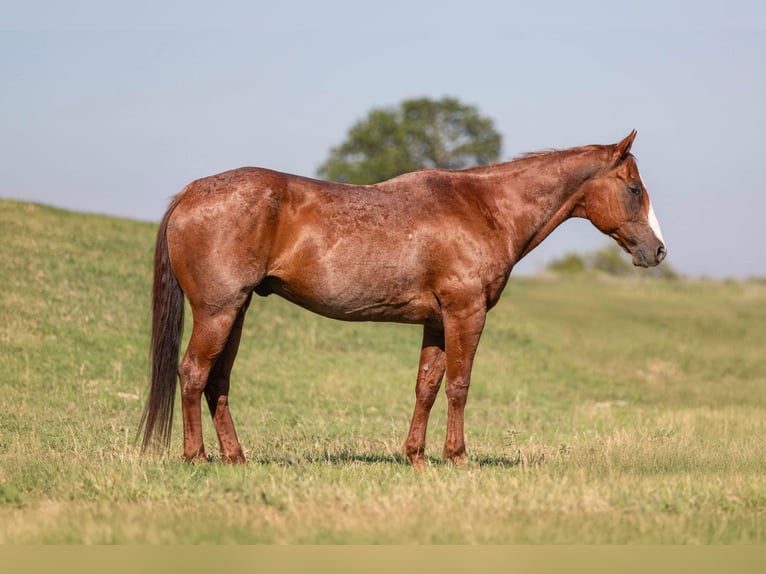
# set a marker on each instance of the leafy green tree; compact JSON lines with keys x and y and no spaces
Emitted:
{"x":610,"y":260}
{"x":416,"y":134}
{"x":568,"y":263}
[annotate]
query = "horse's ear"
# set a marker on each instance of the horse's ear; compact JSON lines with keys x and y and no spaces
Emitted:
{"x":623,"y":148}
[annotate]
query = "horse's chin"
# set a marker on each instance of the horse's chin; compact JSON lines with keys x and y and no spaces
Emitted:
{"x":639,"y":259}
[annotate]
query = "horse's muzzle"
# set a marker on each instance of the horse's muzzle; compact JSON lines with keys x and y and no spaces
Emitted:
{"x":648,"y":257}
{"x":661,"y":254}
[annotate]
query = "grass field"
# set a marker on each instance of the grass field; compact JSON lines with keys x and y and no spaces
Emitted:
{"x":601,"y":411}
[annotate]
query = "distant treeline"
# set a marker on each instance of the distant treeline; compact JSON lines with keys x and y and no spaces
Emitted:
{"x":609,"y":260}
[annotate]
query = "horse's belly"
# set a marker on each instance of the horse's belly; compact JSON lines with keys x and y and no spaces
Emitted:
{"x":381,"y":300}
{"x":369,"y":274}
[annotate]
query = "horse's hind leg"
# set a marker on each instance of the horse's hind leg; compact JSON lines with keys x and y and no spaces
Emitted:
{"x":210,"y":334}
{"x":217,"y":394}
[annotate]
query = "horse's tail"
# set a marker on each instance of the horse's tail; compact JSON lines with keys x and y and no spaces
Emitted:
{"x":167,"y":327}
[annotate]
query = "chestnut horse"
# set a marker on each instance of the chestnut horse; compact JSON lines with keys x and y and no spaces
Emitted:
{"x":432,"y":247}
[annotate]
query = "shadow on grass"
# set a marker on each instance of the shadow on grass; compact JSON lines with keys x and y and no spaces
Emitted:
{"x":344,"y":458}
{"x":498,"y":461}
{"x":340,"y":458}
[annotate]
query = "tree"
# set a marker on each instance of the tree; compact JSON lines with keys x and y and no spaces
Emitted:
{"x":610,"y":260}
{"x":418,"y":133}
{"x":569,"y":263}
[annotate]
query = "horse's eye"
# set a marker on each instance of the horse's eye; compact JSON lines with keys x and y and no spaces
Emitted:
{"x":634,"y":189}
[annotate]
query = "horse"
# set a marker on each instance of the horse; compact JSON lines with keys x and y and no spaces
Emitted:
{"x":432,"y":247}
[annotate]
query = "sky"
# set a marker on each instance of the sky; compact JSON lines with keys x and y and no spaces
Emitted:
{"x":113,"y":107}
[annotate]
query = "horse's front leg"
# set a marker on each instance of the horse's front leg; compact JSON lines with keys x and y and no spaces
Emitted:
{"x":462,"y":329}
{"x":430,"y":374}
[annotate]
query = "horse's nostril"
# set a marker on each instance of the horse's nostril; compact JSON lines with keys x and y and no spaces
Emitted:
{"x":661,"y":253}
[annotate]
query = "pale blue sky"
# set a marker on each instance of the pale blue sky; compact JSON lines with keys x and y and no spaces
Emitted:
{"x":114,"y":109}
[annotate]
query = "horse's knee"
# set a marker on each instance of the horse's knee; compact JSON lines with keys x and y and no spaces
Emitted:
{"x":457,"y":392}
{"x":428,"y":385}
{"x":426,"y":393}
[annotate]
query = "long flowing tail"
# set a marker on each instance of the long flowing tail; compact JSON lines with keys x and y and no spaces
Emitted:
{"x":167,"y":327}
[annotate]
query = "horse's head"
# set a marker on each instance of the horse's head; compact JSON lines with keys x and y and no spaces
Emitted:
{"x":616,"y":202}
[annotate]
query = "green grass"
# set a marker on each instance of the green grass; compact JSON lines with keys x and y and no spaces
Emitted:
{"x":601,"y":411}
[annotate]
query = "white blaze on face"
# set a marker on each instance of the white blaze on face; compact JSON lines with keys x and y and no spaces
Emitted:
{"x":654,"y":224}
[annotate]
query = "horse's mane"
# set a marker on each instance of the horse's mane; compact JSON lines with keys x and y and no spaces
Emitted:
{"x":553,"y":151}
{"x":540,"y":154}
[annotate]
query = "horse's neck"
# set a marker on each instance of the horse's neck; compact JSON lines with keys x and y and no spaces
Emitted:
{"x":539,"y":193}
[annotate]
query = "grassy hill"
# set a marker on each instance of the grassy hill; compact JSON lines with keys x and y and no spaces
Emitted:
{"x":601,"y":411}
